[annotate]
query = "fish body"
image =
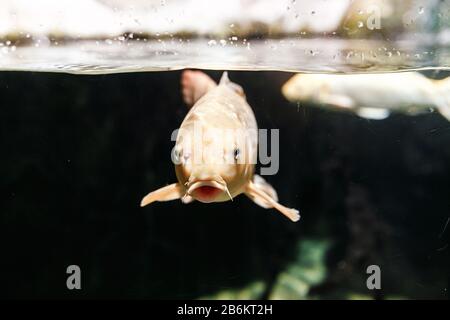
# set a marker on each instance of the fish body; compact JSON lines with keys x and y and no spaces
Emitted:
{"x":221,"y":111}
{"x":216,"y":148}
{"x":372,"y":96}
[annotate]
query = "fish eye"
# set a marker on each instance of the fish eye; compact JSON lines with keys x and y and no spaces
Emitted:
{"x":177,"y":154}
{"x":236,"y":153}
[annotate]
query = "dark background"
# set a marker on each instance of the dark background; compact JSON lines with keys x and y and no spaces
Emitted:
{"x":79,"y":152}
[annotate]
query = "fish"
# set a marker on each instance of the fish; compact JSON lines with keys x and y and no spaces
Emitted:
{"x":372,"y":96}
{"x":216,"y":148}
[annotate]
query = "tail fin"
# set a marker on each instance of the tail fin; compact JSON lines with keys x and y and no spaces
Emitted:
{"x":194,"y":85}
{"x":442,"y":98}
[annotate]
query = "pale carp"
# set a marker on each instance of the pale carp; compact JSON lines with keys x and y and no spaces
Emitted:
{"x":216,"y":148}
{"x":372,"y":96}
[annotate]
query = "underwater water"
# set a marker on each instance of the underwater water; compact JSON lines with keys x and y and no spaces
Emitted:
{"x":79,"y":152}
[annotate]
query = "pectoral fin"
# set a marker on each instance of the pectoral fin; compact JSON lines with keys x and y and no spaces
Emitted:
{"x":373,"y":113}
{"x":257,"y":192}
{"x":167,"y":193}
{"x":261,"y":184}
{"x":339,"y":101}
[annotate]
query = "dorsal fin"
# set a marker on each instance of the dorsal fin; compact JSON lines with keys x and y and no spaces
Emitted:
{"x":224,"y":79}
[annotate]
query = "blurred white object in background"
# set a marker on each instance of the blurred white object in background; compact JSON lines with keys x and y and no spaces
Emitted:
{"x":81,"y":18}
{"x":372,"y":96}
{"x":106,"y":18}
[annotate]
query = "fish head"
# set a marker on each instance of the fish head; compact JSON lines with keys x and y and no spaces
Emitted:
{"x":214,"y":165}
{"x":304,"y":87}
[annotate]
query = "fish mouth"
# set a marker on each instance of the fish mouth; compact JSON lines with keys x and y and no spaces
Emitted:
{"x":207,"y":190}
